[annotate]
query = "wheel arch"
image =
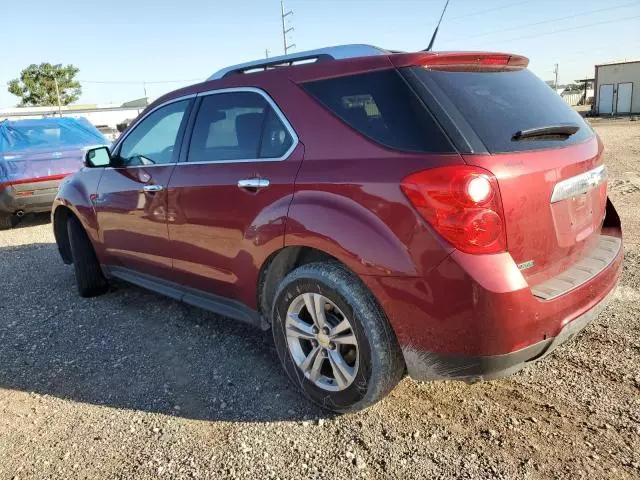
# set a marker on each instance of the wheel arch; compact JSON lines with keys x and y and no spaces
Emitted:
{"x":278,"y":265}
{"x":356,"y":235}
{"x":61,"y":216}
{"x":74,"y":198}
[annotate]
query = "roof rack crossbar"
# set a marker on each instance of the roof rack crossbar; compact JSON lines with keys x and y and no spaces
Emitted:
{"x":322,"y":54}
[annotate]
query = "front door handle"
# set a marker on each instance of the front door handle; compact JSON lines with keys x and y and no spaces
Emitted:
{"x":253,"y":183}
{"x":153,"y":188}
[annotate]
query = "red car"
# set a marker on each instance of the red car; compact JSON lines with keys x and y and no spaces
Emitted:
{"x":443,"y":215}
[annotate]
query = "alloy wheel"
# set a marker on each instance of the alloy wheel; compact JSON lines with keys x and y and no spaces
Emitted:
{"x":322,"y":342}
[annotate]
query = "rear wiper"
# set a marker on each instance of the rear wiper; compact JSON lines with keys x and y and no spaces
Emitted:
{"x":562,"y":130}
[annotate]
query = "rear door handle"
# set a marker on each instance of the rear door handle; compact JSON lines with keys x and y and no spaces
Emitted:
{"x":253,"y":183}
{"x":153,"y":188}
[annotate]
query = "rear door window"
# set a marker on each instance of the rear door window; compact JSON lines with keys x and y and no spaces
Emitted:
{"x":500,"y":103}
{"x":237,"y":126}
{"x":382,"y":107}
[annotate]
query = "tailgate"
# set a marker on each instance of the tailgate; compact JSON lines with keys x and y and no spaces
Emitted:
{"x":547,"y":160}
{"x":549,"y":232}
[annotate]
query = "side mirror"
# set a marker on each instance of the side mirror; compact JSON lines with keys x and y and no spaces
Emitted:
{"x":97,"y":157}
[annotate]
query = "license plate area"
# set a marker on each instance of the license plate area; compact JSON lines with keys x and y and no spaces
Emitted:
{"x":578,"y":206}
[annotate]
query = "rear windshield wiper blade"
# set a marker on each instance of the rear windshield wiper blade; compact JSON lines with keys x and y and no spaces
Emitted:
{"x":562,"y":130}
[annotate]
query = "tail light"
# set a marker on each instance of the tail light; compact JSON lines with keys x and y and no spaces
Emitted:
{"x":463,"y":204}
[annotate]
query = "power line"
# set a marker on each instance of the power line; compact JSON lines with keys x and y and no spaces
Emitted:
{"x":607,"y":9}
{"x":476,"y":13}
{"x":133,"y":82}
{"x":591,"y":51}
{"x":489,"y":10}
{"x":566,"y":29}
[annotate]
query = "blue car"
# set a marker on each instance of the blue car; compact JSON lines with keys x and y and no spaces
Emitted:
{"x":35,"y":155}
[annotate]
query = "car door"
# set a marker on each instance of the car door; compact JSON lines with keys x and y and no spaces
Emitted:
{"x":131,"y":202}
{"x":228,"y":199}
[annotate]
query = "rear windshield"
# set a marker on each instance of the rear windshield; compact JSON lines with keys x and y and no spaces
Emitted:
{"x":499,"y":104}
{"x":16,"y":137}
{"x":381,"y":106}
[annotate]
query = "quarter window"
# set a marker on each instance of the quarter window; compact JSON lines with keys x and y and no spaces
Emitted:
{"x":153,"y":140}
{"x":237,"y":126}
{"x":381,"y":106}
{"x":276,"y":140}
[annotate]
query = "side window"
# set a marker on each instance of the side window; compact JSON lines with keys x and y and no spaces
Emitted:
{"x":237,"y":126}
{"x":152,"y":141}
{"x":381,"y":106}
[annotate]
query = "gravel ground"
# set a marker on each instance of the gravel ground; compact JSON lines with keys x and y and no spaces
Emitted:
{"x":133,"y":385}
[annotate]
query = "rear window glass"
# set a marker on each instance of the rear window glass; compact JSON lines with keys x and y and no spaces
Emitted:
{"x":237,"y":125}
{"x":498,"y":104}
{"x":381,"y":106}
{"x":15,"y":137}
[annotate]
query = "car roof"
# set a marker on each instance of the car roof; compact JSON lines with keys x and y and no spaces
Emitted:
{"x":338,"y":52}
{"x":330,"y":62}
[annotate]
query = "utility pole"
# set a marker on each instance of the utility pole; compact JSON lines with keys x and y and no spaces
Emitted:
{"x":55,"y":82}
{"x":285,"y":30}
{"x":555,"y":70}
{"x":266,"y":53}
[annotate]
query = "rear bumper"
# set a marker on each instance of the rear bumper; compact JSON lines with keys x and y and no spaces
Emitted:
{"x":476,"y":317}
{"x":28,"y":197}
{"x":431,"y":366}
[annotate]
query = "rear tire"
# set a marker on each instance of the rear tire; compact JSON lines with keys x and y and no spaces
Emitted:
{"x":354,"y":360}
{"x":6,"y":221}
{"x":89,"y":277}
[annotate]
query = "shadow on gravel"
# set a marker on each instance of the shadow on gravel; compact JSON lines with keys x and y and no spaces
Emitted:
{"x":33,"y":220}
{"x":133,"y":349}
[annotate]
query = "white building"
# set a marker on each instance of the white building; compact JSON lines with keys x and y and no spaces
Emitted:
{"x":618,"y":88}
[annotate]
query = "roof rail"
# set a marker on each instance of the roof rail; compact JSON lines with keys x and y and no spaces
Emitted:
{"x":329,"y":53}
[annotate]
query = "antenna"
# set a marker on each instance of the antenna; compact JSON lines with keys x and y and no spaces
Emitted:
{"x":435,"y":32}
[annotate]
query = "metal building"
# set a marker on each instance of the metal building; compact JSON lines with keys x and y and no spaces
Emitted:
{"x":618,"y":88}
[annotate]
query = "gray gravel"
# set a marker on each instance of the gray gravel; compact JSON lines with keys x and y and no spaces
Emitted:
{"x":133,"y":385}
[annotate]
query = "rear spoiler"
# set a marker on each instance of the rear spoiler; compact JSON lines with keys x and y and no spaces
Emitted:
{"x":438,"y":59}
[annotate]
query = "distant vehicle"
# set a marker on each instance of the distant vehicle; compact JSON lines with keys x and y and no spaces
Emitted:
{"x":34,"y":156}
{"x":443,"y":215}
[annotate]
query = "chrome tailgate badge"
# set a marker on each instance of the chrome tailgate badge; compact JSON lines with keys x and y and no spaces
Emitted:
{"x":579,"y":184}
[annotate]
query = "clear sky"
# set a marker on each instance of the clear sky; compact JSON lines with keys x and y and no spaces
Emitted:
{"x":185,"y":41}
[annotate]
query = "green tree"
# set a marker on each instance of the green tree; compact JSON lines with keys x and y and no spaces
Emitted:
{"x":36,"y":86}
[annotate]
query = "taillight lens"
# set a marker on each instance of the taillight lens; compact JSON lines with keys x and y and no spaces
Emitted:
{"x":463,"y":204}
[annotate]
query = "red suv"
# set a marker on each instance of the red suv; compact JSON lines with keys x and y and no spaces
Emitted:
{"x":443,"y":215}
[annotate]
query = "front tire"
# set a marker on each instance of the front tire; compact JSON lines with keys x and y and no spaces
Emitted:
{"x":89,"y":277}
{"x":333,"y":340}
